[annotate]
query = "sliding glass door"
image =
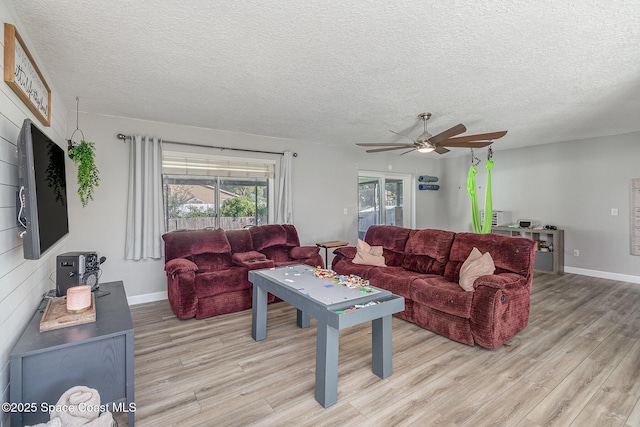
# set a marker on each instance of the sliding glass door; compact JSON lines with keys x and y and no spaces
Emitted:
{"x":383,"y":199}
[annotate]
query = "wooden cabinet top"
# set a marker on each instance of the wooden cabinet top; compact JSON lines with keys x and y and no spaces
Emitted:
{"x":526,"y":230}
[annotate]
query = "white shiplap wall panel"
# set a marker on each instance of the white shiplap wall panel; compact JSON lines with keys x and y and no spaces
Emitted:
{"x":16,"y":322}
{"x":9,"y":239}
{"x":8,"y":174}
{"x":8,"y":152}
{"x":13,"y":113}
{"x":34,"y":280}
{"x":22,"y":282}
{"x":8,"y":213}
{"x":8,"y":184}
{"x":9,"y":261}
{"x":7,"y":216}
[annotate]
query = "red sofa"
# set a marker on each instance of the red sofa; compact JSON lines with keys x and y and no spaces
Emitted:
{"x":207,"y":270}
{"x":423,"y":266}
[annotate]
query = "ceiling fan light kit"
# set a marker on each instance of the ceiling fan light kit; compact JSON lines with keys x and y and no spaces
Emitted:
{"x":426,"y":143}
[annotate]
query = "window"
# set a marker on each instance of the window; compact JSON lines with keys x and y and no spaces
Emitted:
{"x":207,"y":191}
{"x":382,"y":200}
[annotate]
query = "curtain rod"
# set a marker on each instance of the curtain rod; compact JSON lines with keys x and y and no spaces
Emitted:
{"x":124,"y":137}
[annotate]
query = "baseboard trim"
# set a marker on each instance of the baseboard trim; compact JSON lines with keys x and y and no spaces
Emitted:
{"x":603,"y":274}
{"x":141,"y":299}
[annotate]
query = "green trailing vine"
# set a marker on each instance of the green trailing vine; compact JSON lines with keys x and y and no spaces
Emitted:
{"x":83,"y":155}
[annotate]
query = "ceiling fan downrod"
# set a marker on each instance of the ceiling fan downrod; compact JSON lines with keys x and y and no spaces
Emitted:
{"x":425,"y":146}
{"x":425,"y":117}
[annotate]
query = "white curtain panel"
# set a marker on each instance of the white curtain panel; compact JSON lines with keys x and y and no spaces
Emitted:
{"x":284,"y":207}
{"x":145,"y":219}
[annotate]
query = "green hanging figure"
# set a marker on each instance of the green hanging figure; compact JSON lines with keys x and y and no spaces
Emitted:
{"x":485,"y":227}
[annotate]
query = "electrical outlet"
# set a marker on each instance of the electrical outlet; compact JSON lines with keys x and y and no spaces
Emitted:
{"x":614,"y":211}
{"x":576,"y":252}
{"x":346,"y":212}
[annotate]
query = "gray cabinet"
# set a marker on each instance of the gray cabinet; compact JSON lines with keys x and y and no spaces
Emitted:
{"x":553,"y":260}
{"x":43,"y":365}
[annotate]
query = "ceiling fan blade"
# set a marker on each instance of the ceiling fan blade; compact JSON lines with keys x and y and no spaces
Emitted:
{"x":383,"y":144}
{"x":441,"y":150}
{"x":377,"y":150}
{"x":456,"y":130}
{"x":407,"y":152}
{"x":472,"y":144}
{"x":478,"y":137}
{"x":401,"y":134}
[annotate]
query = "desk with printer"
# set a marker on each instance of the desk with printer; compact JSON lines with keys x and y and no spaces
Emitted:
{"x":98,"y":354}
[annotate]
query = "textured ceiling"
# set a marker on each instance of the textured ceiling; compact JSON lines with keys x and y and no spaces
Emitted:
{"x":340,"y":72}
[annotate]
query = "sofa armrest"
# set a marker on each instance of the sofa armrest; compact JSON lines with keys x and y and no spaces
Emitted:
{"x":500,"y":281}
{"x":179,"y":265}
{"x":500,"y":308}
{"x":257,"y":264}
{"x":303,"y":252}
{"x":346,"y":251}
{"x":241,"y":257}
{"x":252,"y":260}
{"x":181,"y":288}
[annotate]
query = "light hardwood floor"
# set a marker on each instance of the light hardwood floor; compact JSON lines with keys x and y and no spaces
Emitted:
{"x":577,"y":363}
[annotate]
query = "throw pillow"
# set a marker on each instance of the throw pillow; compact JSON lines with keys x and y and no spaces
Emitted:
{"x":368,"y":255}
{"x":476,"y":265}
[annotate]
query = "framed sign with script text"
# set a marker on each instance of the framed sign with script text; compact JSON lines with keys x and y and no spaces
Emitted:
{"x":23,"y":76}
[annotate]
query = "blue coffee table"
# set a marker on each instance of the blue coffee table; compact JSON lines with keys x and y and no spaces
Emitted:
{"x":332,"y":305}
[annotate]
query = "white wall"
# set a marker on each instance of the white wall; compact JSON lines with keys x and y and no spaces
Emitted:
{"x":324,"y":183}
{"x":572,"y":185}
{"x":22,"y":282}
{"x":556,"y":184}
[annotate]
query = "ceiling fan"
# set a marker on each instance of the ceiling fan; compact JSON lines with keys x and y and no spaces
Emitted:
{"x":427,"y":143}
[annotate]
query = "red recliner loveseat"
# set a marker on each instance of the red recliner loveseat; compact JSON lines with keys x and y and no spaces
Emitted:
{"x":207,"y":270}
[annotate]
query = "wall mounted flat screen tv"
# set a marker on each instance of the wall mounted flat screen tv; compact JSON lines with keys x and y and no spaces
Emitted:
{"x":43,"y":191}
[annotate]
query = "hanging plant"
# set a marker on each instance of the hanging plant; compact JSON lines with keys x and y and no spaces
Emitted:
{"x":83,"y":155}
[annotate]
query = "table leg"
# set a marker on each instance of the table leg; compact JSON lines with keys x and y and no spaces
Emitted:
{"x":381,"y":347}
{"x":130,"y":375}
{"x":259,"y":313}
{"x":327,"y":342}
{"x":303,"y":320}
